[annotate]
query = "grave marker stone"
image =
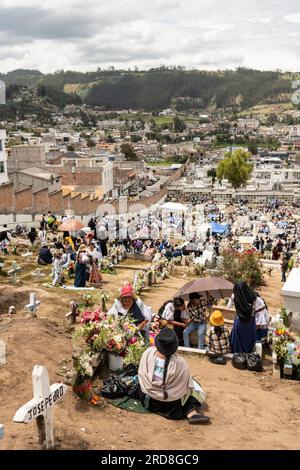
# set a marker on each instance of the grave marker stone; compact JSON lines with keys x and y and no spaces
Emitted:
{"x":38,"y":274}
{"x":74,"y":312}
{"x":27,"y":255}
{"x":33,"y":304}
{"x":2,"y":353}
{"x":13,"y":272}
{"x":40,"y":407}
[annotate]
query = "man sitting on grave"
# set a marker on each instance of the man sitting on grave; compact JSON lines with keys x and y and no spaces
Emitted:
{"x":45,"y":255}
{"x":197,"y":320}
{"x":129,"y":304}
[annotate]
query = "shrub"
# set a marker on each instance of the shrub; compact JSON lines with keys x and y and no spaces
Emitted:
{"x":245,"y":266}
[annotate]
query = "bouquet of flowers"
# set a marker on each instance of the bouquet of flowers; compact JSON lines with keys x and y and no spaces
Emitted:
{"x":107,"y":266}
{"x":282,"y":338}
{"x":138,"y":282}
{"x":117,"y":335}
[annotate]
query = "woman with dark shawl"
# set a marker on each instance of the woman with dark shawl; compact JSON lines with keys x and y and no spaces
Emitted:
{"x":243,"y":334}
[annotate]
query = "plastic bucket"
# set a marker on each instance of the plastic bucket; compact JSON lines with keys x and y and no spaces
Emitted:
{"x":115,"y":362}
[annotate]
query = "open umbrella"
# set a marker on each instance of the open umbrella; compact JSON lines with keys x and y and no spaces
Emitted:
{"x":216,"y":286}
{"x":71,"y":226}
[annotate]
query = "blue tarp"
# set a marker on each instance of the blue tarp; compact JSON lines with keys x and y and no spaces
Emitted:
{"x":219,"y":228}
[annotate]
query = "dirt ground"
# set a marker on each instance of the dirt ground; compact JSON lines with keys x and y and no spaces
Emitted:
{"x":249,"y":410}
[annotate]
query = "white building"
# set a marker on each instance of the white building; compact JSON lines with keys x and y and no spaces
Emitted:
{"x":3,"y":164}
{"x":108,"y":178}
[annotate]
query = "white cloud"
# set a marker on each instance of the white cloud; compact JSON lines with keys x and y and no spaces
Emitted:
{"x":205,"y":34}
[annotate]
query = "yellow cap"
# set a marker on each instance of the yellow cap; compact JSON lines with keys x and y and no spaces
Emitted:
{"x":216,"y":318}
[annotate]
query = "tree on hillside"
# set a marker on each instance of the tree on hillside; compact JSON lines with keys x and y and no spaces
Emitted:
{"x":212,"y":173}
{"x":179,"y":125}
{"x":128,"y":152}
{"x":252,"y":147}
{"x":235,"y":168}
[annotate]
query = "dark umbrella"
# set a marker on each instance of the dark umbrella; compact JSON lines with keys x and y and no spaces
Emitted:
{"x":217,"y":287}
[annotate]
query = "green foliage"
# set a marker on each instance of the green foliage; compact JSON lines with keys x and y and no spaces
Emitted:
{"x":252,"y":147}
{"x":245,"y":266}
{"x":128,"y":152}
{"x":57,"y":97}
{"x":179,"y":125}
{"x":212,"y":173}
{"x":235,"y":168}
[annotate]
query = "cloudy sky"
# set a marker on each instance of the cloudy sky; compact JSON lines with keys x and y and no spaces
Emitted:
{"x":207,"y":34}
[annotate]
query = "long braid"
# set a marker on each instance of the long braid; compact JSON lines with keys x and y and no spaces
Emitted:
{"x":168,"y":358}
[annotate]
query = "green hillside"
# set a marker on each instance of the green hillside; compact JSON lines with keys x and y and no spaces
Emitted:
{"x":161,"y":88}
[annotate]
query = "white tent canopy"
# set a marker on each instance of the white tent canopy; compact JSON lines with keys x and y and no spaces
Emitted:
{"x":174,"y":207}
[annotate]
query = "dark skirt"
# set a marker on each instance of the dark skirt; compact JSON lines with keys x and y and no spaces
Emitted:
{"x":243,"y":336}
{"x":169,"y":409}
{"x":103,"y":247}
{"x":80,"y":275}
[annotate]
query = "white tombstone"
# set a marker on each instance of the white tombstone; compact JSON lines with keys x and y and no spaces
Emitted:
{"x":1,"y":431}
{"x":2,"y":353}
{"x":291,"y":296}
{"x":33,"y":304}
{"x":40,"y":407}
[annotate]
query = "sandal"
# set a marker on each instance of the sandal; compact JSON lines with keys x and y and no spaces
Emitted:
{"x":198,"y":419}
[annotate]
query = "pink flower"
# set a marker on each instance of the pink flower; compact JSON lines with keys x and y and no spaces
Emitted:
{"x":133,"y":340}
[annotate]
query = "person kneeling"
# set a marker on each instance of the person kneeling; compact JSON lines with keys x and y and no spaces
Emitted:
{"x":166,"y":384}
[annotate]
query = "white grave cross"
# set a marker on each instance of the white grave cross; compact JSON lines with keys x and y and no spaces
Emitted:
{"x":33,"y":304}
{"x":38,"y":274}
{"x":27,"y":255}
{"x":40,"y":407}
{"x":13,"y":272}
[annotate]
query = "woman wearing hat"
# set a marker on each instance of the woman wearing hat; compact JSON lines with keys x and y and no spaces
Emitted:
{"x":217,"y":336}
{"x":128,"y":304}
{"x":81,"y":268}
{"x":166,"y":384}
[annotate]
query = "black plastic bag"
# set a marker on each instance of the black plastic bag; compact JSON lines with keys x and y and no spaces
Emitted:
{"x":113,"y":388}
{"x":239,"y":361}
{"x":254,"y":362}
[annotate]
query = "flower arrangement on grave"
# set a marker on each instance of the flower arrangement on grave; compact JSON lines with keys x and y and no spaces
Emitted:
{"x":104,"y":298}
{"x":121,"y":252}
{"x":117,"y":335}
{"x":113,"y":253}
{"x":149,"y":276}
{"x":138,"y":282}
{"x":107,"y":266}
{"x":281,"y":339}
{"x":71,"y":269}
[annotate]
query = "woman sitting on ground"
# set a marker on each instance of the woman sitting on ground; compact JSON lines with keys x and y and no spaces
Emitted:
{"x":166,"y":384}
{"x":217,"y":336}
{"x":243,"y":334}
{"x":128,"y":304}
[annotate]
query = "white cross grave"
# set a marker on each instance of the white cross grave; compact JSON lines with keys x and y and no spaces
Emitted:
{"x":33,"y":304}
{"x":38,"y":274}
{"x":40,"y":407}
{"x":13,"y":272}
{"x":27,"y":255}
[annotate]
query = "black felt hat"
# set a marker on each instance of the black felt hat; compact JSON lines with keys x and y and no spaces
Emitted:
{"x":167,"y":342}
